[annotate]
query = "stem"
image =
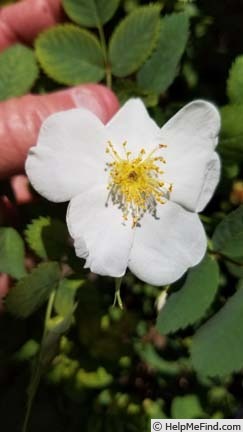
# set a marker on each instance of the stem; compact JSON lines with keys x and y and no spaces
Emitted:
{"x":108,"y":76}
{"x":49,"y":310}
{"x":102,"y":41}
{"x":34,"y":384}
{"x":166,"y":288}
{"x":105,"y":55}
{"x":224,"y":257}
{"x":36,"y":375}
{"x":117,"y":298}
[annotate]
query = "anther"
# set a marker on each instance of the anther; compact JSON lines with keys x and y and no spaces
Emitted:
{"x":135,"y":183}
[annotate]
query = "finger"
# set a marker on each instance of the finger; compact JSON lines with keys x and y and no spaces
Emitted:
{"x":4,"y":288}
{"x":21,"y":22}
{"x":21,"y":189}
{"x":20,"y":119}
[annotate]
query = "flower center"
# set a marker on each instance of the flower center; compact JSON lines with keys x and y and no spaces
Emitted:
{"x":135,"y":183}
{"x":133,"y":175}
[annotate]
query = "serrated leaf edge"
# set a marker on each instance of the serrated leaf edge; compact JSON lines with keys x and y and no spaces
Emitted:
{"x":129,"y":17}
{"x":22,"y":280}
{"x":27,"y":232}
{"x":37,"y":70}
{"x":53,"y":29}
{"x":155,"y":50}
{"x":98,"y":24}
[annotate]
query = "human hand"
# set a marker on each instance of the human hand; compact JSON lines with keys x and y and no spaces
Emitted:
{"x":23,"y":21}
{"x":20,"y":118}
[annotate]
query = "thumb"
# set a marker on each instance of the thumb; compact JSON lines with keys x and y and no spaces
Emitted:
{"x":20,"y":119}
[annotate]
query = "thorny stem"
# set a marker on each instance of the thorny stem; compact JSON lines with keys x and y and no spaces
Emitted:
{"x":117,"y":298}
{"x":36,"y":375}
{"x":105,"y":55}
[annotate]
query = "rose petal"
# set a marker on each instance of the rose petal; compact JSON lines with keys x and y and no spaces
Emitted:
{"x":211,"y":179}
{"x":99,"y":233}
{"x":69,"y":156}
{"x":191,"y":136}
{"x":166,"y":246}
{"x":133,"y":124}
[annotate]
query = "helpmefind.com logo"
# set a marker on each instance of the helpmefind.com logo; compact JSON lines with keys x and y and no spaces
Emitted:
{"x":195,"y":425}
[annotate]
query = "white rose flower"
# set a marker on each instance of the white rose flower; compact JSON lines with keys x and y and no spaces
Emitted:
{"x":134,"y":188}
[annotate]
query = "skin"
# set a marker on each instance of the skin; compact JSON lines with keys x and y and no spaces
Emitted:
{"x":20,"y":118}
{"x":21,"y":22}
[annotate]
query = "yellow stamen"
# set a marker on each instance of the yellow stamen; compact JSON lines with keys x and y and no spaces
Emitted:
{"x":135,"y":184}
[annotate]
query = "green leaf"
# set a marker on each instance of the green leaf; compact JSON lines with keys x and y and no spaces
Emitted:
{"x":130,"y":5}
{"x":47,"y":237}
{"x":65,"y":296}
{"x":232,"y":116}
{"x":133,"y":40}
{"x":90,"y":13}
{"x":33,"y":290}
{"x":228,"y":236}
{"x":231,"y":143}
{"x":70,"y":55}
{"x":14,"y":62}
{"x":161,"y":68}
{"x":12,"y":253}
{"x":236,"y":269}
{"x":149,"y":355}
{"x":198,"y":290}
{"x":127,"y":88}
{"x":217,"y":348}
{"x":186,"y":407}
{"x":235,"y":81}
